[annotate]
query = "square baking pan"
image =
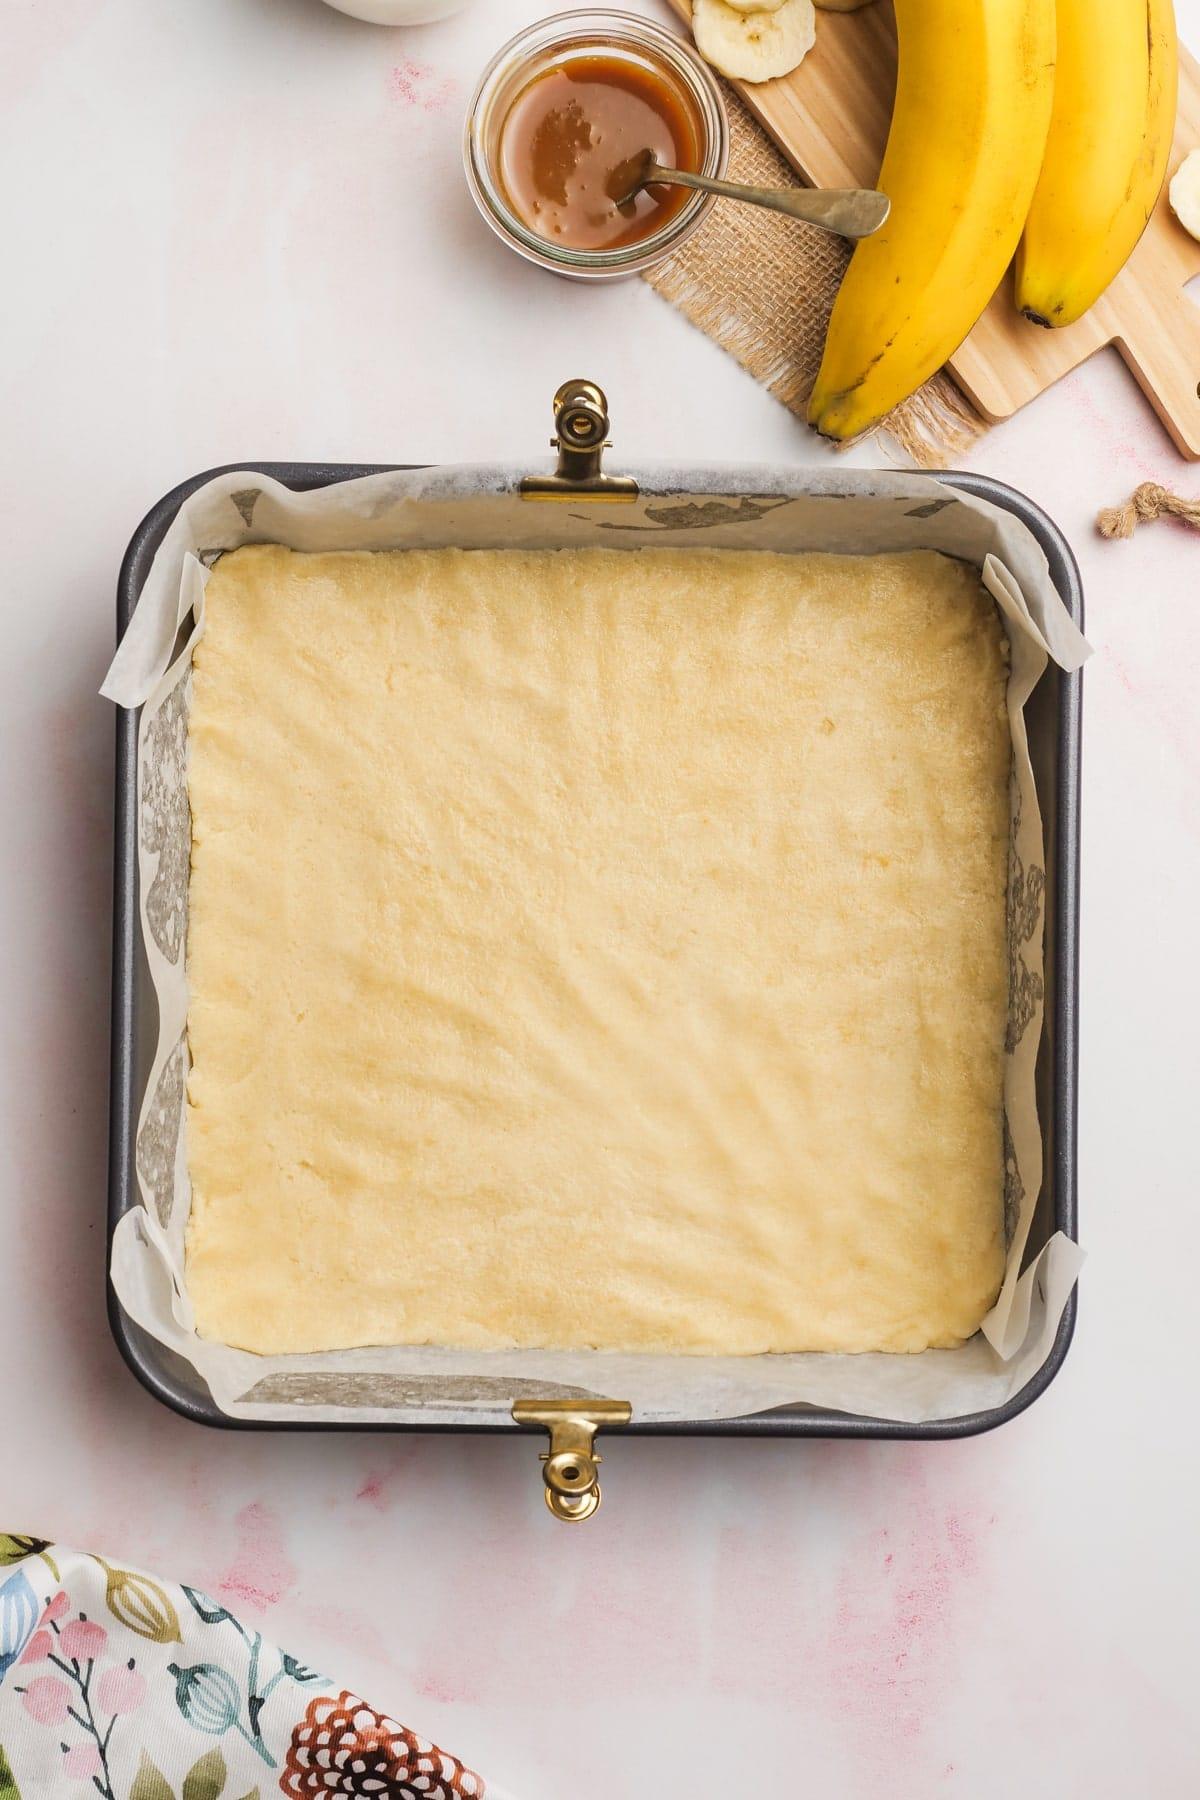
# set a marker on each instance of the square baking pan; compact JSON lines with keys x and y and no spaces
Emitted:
{"x":1053,"y":719}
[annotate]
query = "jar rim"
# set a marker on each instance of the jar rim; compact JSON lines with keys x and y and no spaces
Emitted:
{"x":566,"y":30}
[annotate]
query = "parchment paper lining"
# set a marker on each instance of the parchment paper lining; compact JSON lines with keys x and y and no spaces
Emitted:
{"x":760,"y":508}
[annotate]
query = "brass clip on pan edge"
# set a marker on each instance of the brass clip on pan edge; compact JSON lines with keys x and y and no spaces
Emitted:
{"x":570,"y":1464}
{"x":581,"y":438}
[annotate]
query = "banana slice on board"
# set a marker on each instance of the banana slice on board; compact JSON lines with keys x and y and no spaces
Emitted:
{"x":754,"y":46}
{"x":1184,"y":193}
{"x":748,"y":6}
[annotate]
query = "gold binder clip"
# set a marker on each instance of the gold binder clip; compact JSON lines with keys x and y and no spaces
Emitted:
{"x":569,"y":1466}
{"x":581,"y":438}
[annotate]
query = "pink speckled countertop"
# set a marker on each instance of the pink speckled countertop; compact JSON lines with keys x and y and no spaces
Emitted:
{"x":237,"y":229}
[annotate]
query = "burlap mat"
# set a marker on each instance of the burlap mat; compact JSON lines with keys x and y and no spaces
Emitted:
{"x":762,"y":287}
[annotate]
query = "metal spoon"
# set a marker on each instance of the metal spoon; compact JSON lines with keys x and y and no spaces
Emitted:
{"x":851,"y":212}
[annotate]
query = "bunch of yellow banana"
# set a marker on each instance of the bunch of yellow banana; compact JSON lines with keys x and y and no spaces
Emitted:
{"x":987,"y":141}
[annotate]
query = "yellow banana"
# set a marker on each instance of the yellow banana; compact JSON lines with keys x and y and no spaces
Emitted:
{"x":973,"y":96}
{"x":1106,"y":156}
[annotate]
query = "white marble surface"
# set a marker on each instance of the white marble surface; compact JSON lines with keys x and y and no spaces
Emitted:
{"x":236,"y":228}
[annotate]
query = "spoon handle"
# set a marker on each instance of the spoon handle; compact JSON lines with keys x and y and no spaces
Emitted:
{"x":851,"y":212}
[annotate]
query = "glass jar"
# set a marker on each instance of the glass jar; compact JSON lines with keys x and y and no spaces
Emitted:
{"x":541,"y":47}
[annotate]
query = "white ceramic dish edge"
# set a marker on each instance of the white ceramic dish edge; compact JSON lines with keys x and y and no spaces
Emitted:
{"x":397,"y":12}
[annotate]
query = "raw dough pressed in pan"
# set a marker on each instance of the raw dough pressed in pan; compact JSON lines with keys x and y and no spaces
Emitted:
{"x":597,"y":948}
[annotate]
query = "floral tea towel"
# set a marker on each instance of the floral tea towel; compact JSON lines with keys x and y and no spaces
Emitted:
{"x":115,"y":1684}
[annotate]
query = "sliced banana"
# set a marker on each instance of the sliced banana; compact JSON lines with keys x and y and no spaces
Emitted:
{"x":1184,"y":193}
{"x":754,"y":46}
{"x":755,"y":5}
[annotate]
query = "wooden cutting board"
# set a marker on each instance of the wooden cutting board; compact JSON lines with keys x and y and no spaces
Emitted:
{"x":830,"y":118}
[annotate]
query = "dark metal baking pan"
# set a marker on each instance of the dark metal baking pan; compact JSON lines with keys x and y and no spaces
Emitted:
{"x":1053,"y":717}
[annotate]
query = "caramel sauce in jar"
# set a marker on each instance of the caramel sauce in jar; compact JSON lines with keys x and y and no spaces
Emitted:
{"x":572,"y":138}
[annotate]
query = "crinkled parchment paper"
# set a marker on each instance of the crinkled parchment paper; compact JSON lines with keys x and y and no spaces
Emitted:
{"x":744,"y":508}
